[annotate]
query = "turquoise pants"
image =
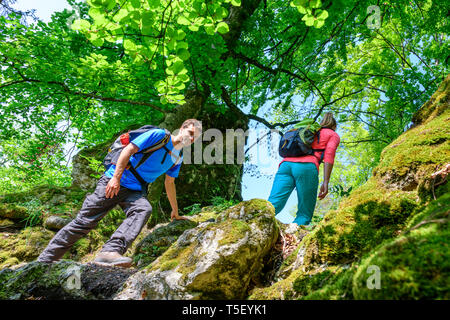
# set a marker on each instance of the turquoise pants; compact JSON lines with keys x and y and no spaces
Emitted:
{"x":304,"y":177}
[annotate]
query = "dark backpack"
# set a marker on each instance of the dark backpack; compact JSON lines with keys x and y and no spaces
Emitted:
{"x":124,"y":139}
{"x":297,"y":141}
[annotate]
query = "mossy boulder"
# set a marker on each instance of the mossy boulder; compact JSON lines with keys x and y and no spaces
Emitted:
{"x":215,"y":260}
{"x":61,"y":280}
{"x":415,"y":265}
{"x":23,"y":246}
{"x":159,"y":240}
{"x":34,"y":206}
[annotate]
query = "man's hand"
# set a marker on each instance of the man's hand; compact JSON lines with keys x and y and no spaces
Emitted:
{"x":112,"y":188}
{"x":174,"y":215}
{"x":323,"y":190}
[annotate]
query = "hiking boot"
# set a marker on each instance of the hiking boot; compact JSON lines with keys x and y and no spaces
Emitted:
{"x":113,"y":259}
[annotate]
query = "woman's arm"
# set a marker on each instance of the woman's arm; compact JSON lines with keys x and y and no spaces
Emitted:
{"x":327,"y":168}
{"x":328,"y":162}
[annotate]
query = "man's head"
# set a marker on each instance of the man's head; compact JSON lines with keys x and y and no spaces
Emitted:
{"x":190,"y":130}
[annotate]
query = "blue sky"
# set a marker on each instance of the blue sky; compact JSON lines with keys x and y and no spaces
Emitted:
{"x":252,"y":187}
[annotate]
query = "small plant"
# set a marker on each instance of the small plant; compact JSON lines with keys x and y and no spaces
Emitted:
{"x":35,"y":213}
{"x":192,"y":209}
{"x":340,"y":192}
{"x":221,"y":203}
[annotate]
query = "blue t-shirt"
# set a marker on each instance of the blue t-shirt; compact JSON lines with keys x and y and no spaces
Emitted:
{"x":152,"y":168}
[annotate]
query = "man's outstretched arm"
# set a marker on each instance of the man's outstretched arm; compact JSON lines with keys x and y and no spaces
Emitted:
{"x":172,"y":196}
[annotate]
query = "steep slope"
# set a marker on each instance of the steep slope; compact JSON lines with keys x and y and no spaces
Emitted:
{"x":387,"y":224}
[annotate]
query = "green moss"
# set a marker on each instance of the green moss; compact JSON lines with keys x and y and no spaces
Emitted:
{"x":434,"y":210}
{"x":13,"y":211}
{"x":369,"y":216}
{"x":337,"y":286}
{"x":409,"y":160}
{"x":168,"y":265}
{"x":411,"y":267}
{"x":234,"y":230}
{"x":437,"y":104}
{"x":176,"y":256}
{"x":158,"y":241}
{"x":24,"y":246}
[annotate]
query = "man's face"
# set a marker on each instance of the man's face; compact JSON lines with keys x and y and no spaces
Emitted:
{"x":189,"y":135}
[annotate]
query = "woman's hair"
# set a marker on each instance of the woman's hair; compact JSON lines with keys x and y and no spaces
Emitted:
{"x":328,"y":121}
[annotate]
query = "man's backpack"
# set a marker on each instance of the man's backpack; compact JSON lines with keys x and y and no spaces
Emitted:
{"x":297,"y":141}
{"x":124,"y":139}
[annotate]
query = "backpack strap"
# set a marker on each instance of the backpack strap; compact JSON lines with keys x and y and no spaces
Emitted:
{"x":149,"y":150}
{"x":144,"y":184}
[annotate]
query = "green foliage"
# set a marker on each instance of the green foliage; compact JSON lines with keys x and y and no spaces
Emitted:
{"x":35,"y":213}
{"x":123,"y":63}
{"x":154,"y":33}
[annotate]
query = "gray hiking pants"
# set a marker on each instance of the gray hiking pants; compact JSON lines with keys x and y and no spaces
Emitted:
{"x":95,"y":207}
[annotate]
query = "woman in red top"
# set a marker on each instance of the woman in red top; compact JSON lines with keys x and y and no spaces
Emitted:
{"x":302,"y":173}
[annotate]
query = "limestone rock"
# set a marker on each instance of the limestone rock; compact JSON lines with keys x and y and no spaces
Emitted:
{"x":62,"y":280}
{"x":56,"y":222}
{"x":215,"y":260}
{"x":159,"y":240}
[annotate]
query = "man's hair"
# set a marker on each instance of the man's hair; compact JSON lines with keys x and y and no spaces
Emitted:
{"x":328,"y":121}
{"x":195,"y":122}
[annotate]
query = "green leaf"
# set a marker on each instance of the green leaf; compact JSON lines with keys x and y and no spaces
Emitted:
{"x":315,"y":4}
{"x":299,"y":3}
{"x":129,"y":45}
{"x":177,"y":67}
{"x":95,"y":12}
{"x":182,"y":44}
{"x":109,"y":4}
{"x":183,"y":54}
{"x":222,"y":27}
{"x":319,"y":23}
{"x":302,"y":9}
{"x":98,"y":42}
{"x":309,"y":22}
{"x":236,"y":3}
{"x":153,"y":3}
{"x":180,"y":34}
{"x":322,"y":14}
{"x":163,"y":100}
{"x":193,"y":28}
{"x":95,"y":3}
{"x":81,"y":24}
{"x":210,"y":30}
{"x":183,"y":20}
{"x":136,"y":4}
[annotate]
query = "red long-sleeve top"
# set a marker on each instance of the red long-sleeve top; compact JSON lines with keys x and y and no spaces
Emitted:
{"x":329,"y":140}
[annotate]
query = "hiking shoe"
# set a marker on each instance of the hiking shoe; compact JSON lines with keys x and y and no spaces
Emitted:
{"x":113,"y":259}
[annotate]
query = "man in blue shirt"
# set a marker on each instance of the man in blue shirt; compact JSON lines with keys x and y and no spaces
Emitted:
{"x":119,"y":186}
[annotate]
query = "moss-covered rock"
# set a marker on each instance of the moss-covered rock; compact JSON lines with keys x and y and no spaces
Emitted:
{"x":159,"y":240}
{"x":23,"y":246}
{"x":35,"y":206}
{"x":215,"y":260}
{"x":61,"y":280}
{"x":415,"y":265}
